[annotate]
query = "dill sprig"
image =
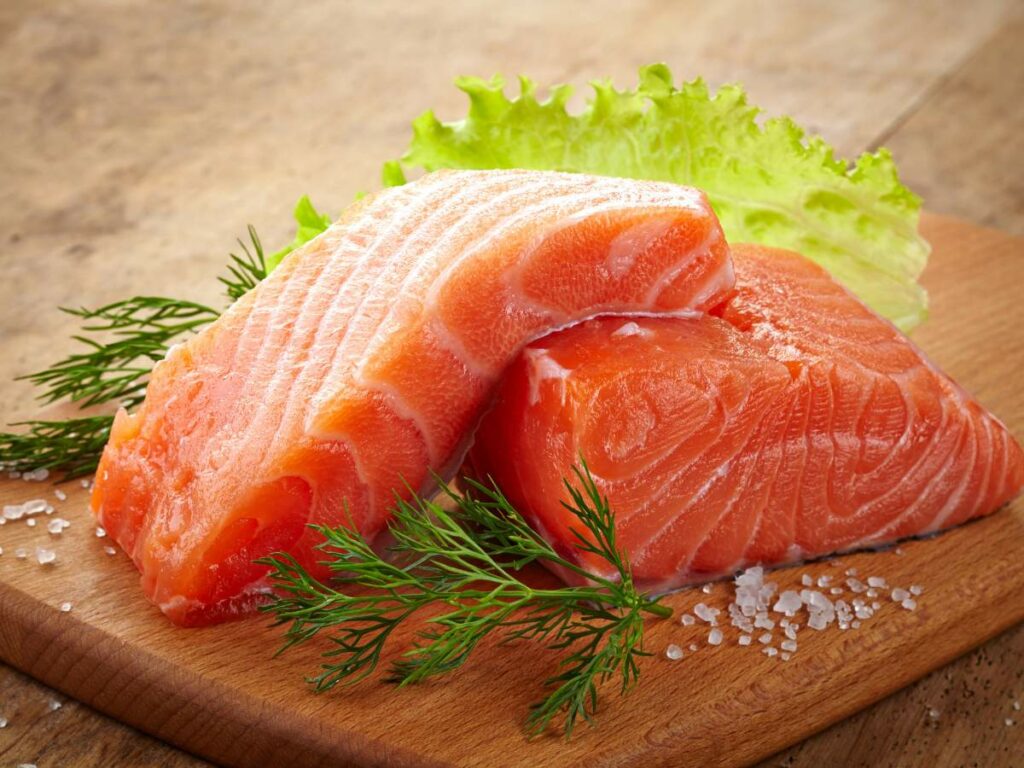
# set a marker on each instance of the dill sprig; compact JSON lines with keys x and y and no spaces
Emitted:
{"x":73,"y":446}
{"x":245,"y":272}
{"x":123,"y":341}
{"x":462,"y":556}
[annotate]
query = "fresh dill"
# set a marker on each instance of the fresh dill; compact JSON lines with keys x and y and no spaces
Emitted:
{"x":462,"y":557}
{"x":245,"y":272}
{"x":72,"y":446}
{"x":117,"y":368}
{"x":122,"y":342}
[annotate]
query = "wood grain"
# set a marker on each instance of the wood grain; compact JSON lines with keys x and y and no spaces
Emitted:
{"x":139,"y":137}
{"x":216,"y":692}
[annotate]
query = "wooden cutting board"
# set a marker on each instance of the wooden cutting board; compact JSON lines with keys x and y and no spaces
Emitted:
{"x":219,"y":693}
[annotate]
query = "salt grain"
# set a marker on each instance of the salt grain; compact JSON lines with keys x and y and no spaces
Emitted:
{"x":770,"y":652}
{"x":61,"y":496}
{"x":100,"y":533}
{"x":872,"y":592}
{"x":687,"y":620}
{"x":1016,"y":706}
{"x":693,"y":647}
{"x":824,"y":581}
{"x":745,"y":640}
{"x":21,"y":553}
{"x":855,"y":585}
{"x":877,"y":581}
{"x":791,"y":632}
{"x":785,"y":656}
{"x":3,"y":722}
{"x":673,"y":652}
{"x":1009,"y":721}
{"x":788,"y":645}
{"x":55,"y":705}
{"x":45,"y":556}
{"x":806,"y":580}
{"x":765,"y":638}
{"x":705,"y":613}
{"x":706,"y":589}
{"x":715,"y":637}
{"x":909,"y":604}
{"x":789,"y":603}
{"x":65,"y":607}
{"x":110,"y":550}
{"x":31,"y":522}
{"x":916,"y":590}
{"x":933,"y":714}
{"x":836,"y":590}
{"x":899,"y":595}
{"x":851,"y":571}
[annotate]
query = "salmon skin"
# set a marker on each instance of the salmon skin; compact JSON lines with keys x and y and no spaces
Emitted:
{"x":790,"y":424}
{"x":364,"y":361}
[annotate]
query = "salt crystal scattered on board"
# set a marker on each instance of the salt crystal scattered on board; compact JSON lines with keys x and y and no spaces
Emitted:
{"x":745,"y":640}
{"x":909,"y":604}
{"x":673,"y":652}
{"x":1009,"y":721}
{"x":110,"y":550}
{"x":54,"y":705}
{"x":785,"y":656}
{"x":687,"y":620}
{"x":933,"y":713}
{"x":3,"y":722}
{"x":693,"y":647}
{"x":65,"y":607}
{"x":916,"y":590}
{"x":1016,"y":706}
{"x":21,"y":553}
{"x":715,"y":637}
{"x":706,"y":589}
{"x":899,"y":595}
{"x":100,"y":532}
{"x":61,"y":496}
{"x":45,"y":556}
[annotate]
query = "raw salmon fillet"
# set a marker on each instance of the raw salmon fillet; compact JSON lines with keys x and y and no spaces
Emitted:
{"x":365,"y":359}
{"x":793,"y":424}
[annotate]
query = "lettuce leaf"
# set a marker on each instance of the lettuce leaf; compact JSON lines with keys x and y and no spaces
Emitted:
{"x":768,"y":182}
{"x":310,"y":224}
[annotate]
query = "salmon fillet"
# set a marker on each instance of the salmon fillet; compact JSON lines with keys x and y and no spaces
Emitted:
{"x":793,"y":424}
{"x":365,"y":359}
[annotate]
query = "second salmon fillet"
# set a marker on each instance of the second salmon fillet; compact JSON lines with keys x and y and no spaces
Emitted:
{"x":365,"y":360}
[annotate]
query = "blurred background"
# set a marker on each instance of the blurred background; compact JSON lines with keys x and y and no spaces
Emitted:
{"x":138,"y":140}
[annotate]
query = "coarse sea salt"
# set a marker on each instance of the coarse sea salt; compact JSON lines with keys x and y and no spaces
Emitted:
{"x":65,"y":607}
{"x":877,"y":581}
{"x":789,"y":603}
{"x":673,"y":652}
{"x":909,"y":604}
{"x":54,"y":705}
{"x":715,"y":637}
{"x":110,"y":550}
{"x":45,"y":556}
{"x":788,"y":645}
{"x":100,"y":532}
{"x":769,"y":652}
{"x":693,"y":647}
{"x":706,"y":613}
{"x":21,"y":553}
{"x":61,"y":496}
{"x":3,"y":722}
{"x":898,"y":595}
{"x":706,"y":589}
{"x":687,"y":620}
{"x":745,"y":640}
{"x":916,"y":590}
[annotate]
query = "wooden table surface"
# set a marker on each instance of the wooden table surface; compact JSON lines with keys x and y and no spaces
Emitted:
{"x":148,"y":134}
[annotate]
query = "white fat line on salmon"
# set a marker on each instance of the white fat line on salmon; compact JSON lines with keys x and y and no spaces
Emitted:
{"x":631,"y":329}
{"x":701,"y":251}
{"x":954,"y":499}
{"x":366,"y":287}
{"x":545,"y":368}
{"x":920,"y":466}
{"x":567,"y":199}
{"x":627,"y":246}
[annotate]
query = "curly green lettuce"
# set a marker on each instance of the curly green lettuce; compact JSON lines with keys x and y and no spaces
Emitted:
{"x":767,"y":180}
